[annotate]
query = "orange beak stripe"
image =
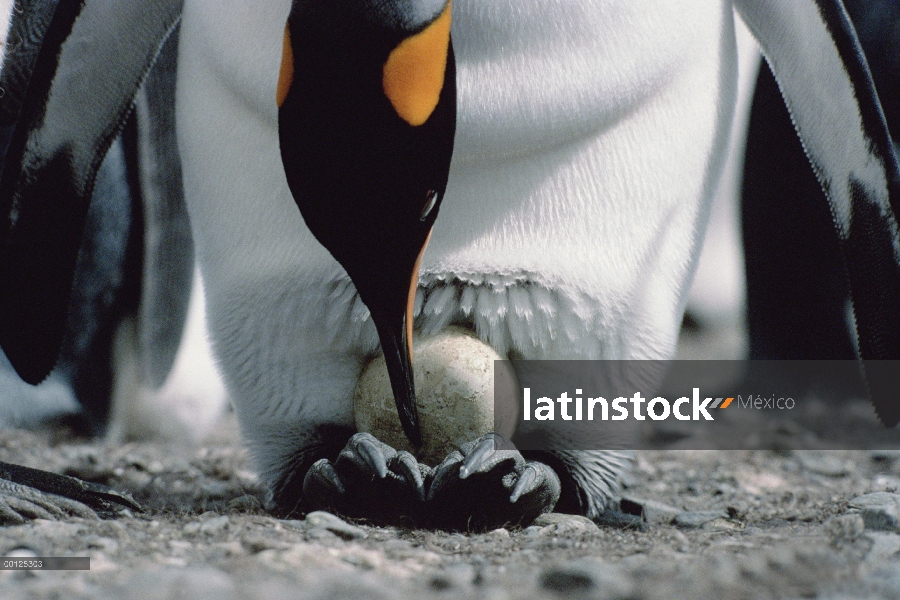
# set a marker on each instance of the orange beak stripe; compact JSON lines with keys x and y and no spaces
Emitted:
{"x":413,"y":75}
{"x":411,"y":299}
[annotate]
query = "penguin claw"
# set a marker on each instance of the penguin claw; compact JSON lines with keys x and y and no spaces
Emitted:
{"x":444,"y":473}
{"x":528,"y":481}
{"x":367,"y":447}
{"x":485,"y":485}
{"x":406,"y":465}
{"x":480,"y":457}
{"x":322,"y":481}
{"x":368,"y":480}
{"x":27,"y":493}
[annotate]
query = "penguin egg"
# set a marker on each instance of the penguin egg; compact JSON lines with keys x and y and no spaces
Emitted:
{"x":454,"y":378}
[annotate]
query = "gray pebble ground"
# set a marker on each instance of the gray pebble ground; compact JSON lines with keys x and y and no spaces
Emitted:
{"x":720,"y":525}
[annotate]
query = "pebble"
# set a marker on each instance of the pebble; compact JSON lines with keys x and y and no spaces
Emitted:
{"x":215,"y":525}
{"x":880,"y":511}
{"x":823,"y":464}
{"x":721,"y":525}
{"x":694,"y":519}
{"x":845,"y":529}
{"x":192,"y":528}
{"x":565,"y":524}
{"x":320,"y":534}
{"x":654,"y":512}
{"x":324,"y":520}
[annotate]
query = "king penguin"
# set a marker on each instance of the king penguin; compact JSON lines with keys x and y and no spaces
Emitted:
{"x":586,"y":139}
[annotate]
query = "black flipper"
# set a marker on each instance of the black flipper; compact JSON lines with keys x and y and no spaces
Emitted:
{"x":69,"y":101}
{"x":822,"y":73}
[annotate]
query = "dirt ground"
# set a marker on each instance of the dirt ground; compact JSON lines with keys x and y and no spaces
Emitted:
{"x":738,"y":524}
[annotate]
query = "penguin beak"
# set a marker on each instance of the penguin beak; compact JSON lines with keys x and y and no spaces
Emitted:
{"x":367,"y":116}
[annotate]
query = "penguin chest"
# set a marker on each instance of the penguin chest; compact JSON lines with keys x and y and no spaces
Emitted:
{"x":588,"y":142}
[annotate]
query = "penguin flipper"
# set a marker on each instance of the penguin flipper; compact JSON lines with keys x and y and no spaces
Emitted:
{"x":27,"y":493}
{"x":64,"y":110}
{"x":822,"y":73}
{"x":488,"y":484}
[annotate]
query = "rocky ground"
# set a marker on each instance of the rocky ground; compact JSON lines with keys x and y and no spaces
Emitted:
{"x":739,"y":524}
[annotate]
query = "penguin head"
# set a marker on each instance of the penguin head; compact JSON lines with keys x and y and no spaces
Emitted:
{"x":367,"y":115}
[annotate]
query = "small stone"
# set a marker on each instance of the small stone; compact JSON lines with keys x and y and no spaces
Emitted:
{"x":215,"y":525}
{"x":532,"y":531}
{"x":880,"y":511}
{"x":325,"y":520}
{"x":694,"y":519}
{"x":619,"y":520}
{"x":845,"y":529}
{"x":657,"y":513}
{"x":568,"y":522}
{"x":320,"y":534}
{"x":192,"y":528}
{"x":721,"y":525}
{"x":823,"y":463}
{"x":499,"y":533}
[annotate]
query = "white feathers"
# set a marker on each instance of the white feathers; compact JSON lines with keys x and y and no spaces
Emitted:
{"x":6,"y":7}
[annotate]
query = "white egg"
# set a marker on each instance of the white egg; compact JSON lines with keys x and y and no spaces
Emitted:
{"x":454,"y":378}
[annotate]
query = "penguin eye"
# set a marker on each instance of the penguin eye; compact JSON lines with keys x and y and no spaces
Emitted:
{"x":430,"y":201}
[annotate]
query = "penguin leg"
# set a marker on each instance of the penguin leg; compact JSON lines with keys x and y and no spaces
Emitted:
{"x":369,"y":480}
{"x":27,"y":493}
{"x":486,"y":484}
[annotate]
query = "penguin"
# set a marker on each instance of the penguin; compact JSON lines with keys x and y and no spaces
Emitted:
{"x":798,"y":308}
{"x":127,"y":335}
{"x":586,"y":142}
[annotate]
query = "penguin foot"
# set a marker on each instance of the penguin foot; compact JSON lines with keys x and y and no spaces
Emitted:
{"x":369,"y":480}
{"x":487,"y":484}
{"x":27,"y":494}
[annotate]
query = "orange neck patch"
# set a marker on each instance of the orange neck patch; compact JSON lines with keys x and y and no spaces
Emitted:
{"x":413,"y":75}
{"x":286,"y":74}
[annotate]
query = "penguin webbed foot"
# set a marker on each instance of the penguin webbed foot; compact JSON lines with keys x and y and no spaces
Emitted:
{"x":27,"y":493}
{"x":369,"y":480}
{"x":487,"y":484}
